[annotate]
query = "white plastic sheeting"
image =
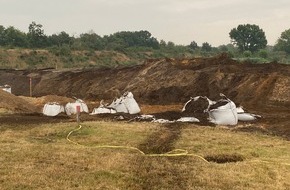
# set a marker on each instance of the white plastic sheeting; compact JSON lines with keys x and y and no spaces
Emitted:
{"x":162,"y":121}
{"x":188,"y":119}
{"x":52,"y":109}
{"x":242,"y":116}
{"x":103,"y":109}
{"x":71,"y":108}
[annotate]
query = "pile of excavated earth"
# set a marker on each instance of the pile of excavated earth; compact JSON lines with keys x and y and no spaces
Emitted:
{"x":159,"y":84}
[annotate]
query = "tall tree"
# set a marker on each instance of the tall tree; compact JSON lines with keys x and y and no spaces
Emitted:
{"x":127,"y":39}
{"x":2,"y":33}
{"x":14,"y":37}
{"x":193,"y":45}
{"x":91,"y":40}
{"x":248,"y":37}
{"x":283,"y":43}
{"x":36,"y":36}
{"x":206,"y":47}
{"x":60,"y":39}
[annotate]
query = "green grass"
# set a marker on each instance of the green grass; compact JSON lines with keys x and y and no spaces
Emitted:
{"x":40,"y":157}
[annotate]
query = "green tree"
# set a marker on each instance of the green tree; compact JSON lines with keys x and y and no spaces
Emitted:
{"x":36,"y":36}
{"x":2,"y":33}
{"x":125,"y":39}
{"x":14,"y":38}
{"x":92,"y":41}
{"x":206,"y":47}
{"x":162,"y":43}
{"x":60,"y":39}
{"x":170,"y":44}
{"x":248,"y":37}
{"x":283,"y":43}
{"x":193,"y":45}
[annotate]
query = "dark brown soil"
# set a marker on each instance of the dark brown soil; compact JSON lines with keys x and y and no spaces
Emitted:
{"x":162,"y":141}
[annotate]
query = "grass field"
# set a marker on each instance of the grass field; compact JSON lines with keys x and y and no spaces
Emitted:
{"x":43,"y":156}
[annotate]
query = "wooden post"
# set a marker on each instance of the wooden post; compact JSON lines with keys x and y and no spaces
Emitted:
{"x":30,"y":86}
{"x":78,"y":113}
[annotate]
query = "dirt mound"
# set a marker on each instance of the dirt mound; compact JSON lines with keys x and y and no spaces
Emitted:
{"x":39,"y":102}
{"x":15,"y":104}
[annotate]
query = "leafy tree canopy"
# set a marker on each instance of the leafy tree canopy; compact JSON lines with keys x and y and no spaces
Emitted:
{"x":193,"y":45}
{"x":130,"y":39}
{"x":206,"y":47}
{"x":12,"y":37}
{"x":283,"y":43}
{"x":60,"y":39}
{"x":36,"y":35}
{"x":248,"y":37}
{"x":92,"y":41}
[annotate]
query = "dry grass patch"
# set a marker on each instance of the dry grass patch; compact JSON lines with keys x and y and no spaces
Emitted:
{"x":40,"y":157}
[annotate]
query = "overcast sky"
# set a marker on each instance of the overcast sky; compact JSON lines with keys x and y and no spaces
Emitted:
{"x":179,"y":21}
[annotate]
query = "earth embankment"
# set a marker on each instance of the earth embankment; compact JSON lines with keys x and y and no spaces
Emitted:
{"x":163,"y":81}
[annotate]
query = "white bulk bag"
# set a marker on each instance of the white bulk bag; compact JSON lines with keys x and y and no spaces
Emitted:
{"x":224,"y":115}
{"x":118,"y":105}
{"x":71,"y":108}
{"x":52,"y":109}
{"x":131,"y":104}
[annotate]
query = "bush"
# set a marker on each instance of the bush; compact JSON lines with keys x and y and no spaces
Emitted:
{"x":263,"y":54}
{"x":60,"y":51}
{"x":247,"y":54}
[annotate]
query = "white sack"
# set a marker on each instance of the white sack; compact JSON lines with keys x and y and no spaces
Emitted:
{"x":52,"y":109}
{"x":125,"y":104}
{"x":224,"y":115}
{"x":119,"y":106}
{"x":131,"y":104}
{"x":71,"y":108}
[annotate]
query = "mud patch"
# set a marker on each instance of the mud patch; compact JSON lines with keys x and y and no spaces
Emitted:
{"x":224,"y":158}
{"x":163,"y":140}
{"x":253,"y":129}
{"x":169,"y":115}
{"x":22,"y":121}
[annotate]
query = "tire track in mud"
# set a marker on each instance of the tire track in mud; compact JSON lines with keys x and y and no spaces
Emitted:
{"x":159,"y":172}
{"x":162,"y":141}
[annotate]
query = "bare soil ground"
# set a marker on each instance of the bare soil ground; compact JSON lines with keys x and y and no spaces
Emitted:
{"x":159,"y":86}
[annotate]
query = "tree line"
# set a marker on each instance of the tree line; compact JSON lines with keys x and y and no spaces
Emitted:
{"x":245,"y":38}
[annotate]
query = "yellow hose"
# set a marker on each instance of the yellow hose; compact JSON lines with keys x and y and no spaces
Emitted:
{"x":173,"y":153}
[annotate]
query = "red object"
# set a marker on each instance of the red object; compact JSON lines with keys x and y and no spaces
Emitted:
{"x":78,"y":109}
